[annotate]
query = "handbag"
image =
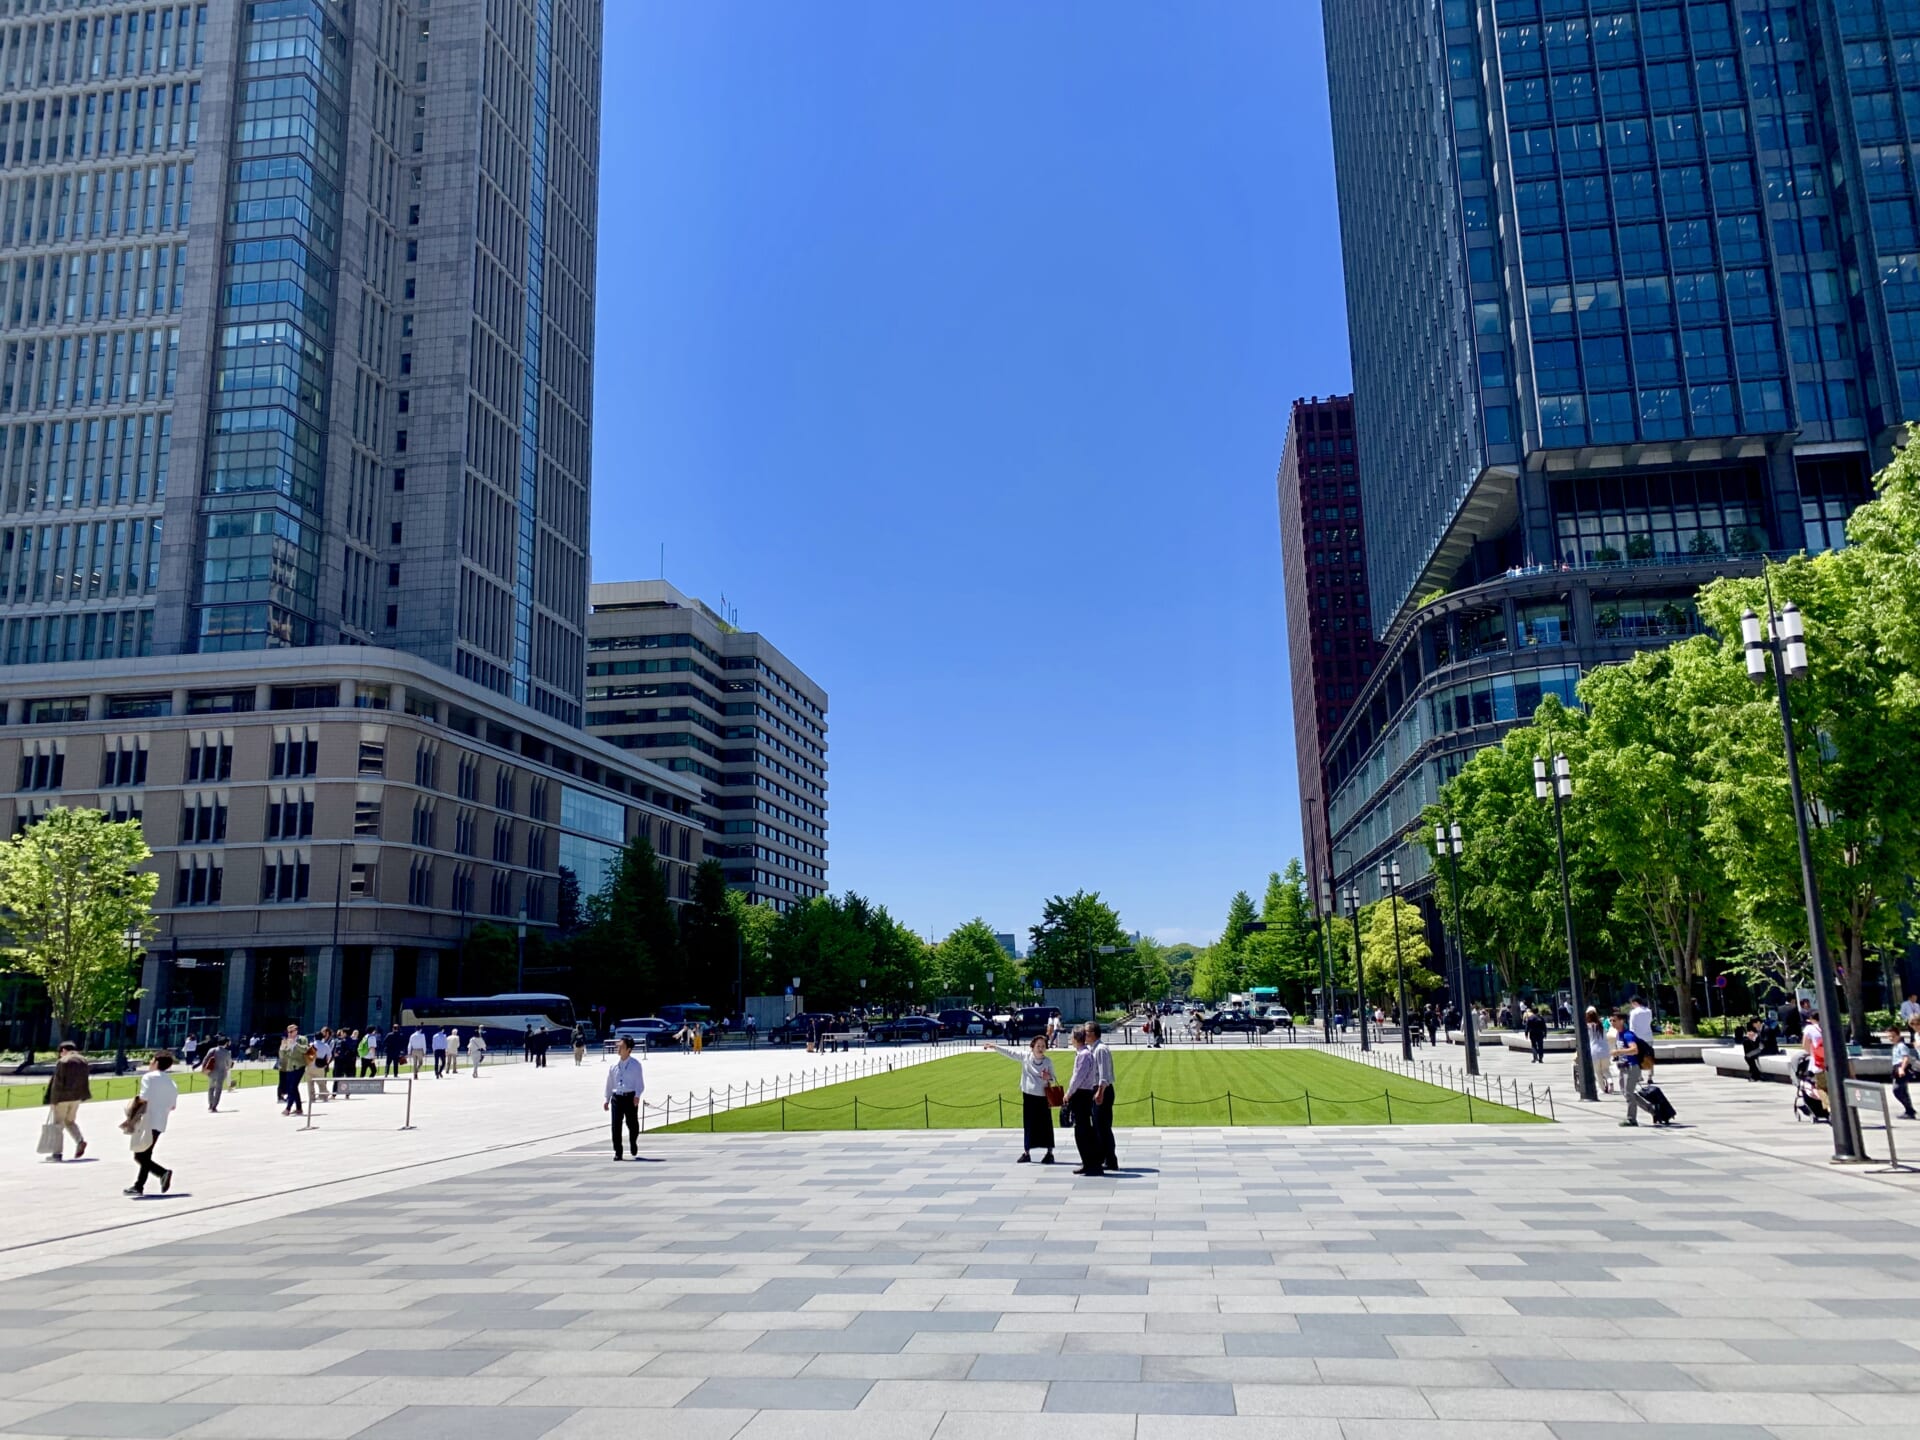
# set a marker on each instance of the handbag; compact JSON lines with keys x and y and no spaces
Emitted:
{"x":49,"y":1137}
{"x":1056,"y":1096}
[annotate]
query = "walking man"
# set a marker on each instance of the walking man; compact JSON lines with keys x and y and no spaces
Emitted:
{"x":1102,"y":1097}
{"x":1536,"y":1027}
{"x":453,"y":1049}
{"x":417,"y":1051}
{"x":1628,"y":1054}
{"x":292,"y":1063}
{"x":625,"y":1083}
{"x":439,"y":1053}
{"x":218,"y":1064}
{"x":71,"y":1086}
{"x":148,"y":1120}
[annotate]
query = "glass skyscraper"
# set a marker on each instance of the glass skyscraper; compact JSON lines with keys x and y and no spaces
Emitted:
{"x":1634,"y":298}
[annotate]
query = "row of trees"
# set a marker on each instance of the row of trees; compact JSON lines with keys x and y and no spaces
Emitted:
{"x":1681,"y":846}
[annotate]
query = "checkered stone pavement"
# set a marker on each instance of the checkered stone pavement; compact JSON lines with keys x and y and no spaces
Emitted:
{"x":1504,"y":1284}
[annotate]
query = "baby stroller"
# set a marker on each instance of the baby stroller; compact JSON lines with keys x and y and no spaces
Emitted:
{"x":1807,"y":1099}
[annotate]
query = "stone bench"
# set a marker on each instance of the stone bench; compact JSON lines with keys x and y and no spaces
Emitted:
{"x":1559,"y":1042}
{"x":1730,"y":1060}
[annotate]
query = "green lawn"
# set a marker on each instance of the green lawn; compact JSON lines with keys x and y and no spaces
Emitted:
{"x":124,"y":1087}
{"x":1168,"y":1087}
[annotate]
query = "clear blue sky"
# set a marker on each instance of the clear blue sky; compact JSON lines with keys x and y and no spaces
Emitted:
{"x":953,"y":342}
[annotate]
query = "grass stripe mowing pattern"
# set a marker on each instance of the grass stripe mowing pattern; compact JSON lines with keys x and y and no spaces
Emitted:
{"x":978,"y":1091}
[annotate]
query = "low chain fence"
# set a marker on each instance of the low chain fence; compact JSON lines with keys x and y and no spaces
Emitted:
{"x":1493,"y":1089}
{"x":30,"y":1091}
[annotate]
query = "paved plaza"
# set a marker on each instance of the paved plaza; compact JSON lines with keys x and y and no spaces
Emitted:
{"x":1572,"y":1282}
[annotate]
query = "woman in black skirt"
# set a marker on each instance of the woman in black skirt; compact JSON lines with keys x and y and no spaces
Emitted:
{"x":1036,"y":1114}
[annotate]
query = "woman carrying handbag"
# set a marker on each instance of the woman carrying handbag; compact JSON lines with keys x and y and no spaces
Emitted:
{"x":1039,"y":1092}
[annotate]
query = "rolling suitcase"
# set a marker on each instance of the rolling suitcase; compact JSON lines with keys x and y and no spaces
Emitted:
{"x":1657,"y":1102}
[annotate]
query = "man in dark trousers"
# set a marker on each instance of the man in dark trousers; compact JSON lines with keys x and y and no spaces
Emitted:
{"x":1102,"y":1097}
{"x":625,"y":1083}
{"x":1536,"y":1028}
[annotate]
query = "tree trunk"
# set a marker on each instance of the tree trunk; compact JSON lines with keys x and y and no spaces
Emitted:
{"x":1854,"y":983}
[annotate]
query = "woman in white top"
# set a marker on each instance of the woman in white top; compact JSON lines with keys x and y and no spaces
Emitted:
{"x":1600,"y":1048}
{"x":1036,"y":1077}
{"x":477,"y":1052}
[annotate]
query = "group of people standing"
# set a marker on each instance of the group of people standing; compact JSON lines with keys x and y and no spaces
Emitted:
{"x":1085,"y":1101}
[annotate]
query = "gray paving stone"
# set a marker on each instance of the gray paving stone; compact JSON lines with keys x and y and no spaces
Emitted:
{"x":450,"y":1361}
{"x":467,"y":1422}
{"x":799,"y":1393}
{"x":1088,"y":1368}
{"x":1636,"y":1378}
{"x":1645,"y":1430}
{"x":1089,"y":1397}
{"x":1330,"y":1344}
{"x":257,"y":1337}
{"x":103,"y":1420}
{"x":1592,"y":1307}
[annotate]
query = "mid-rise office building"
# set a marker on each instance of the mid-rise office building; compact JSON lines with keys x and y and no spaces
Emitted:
{"x":1331,"y":651}
{"x":669,"y":678}
{"x":295,"y":445}
{"x":1634,"y":300}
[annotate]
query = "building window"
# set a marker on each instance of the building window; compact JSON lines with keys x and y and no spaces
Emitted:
{"x":138,"y":707}
{"x":536,"y":849}
{"x":296,"y":752}
{"x":209,"y":756}
{"x":463,"y":832}
{"x":420,"y":883}
{"x":426,"y":765}
{"x":373,"y":757}
{"x":124,"y":762}
{"x":197,"y":882}
{"x":503,"y":842}
{"x":468,"y":780}
{"x":283,"y":879}
{"x":366,"y":817}
{"x":43,"y":765}
{"x":423,"y":822}
{"x":537,"y":799}
{"x":503,"y":789}
{"x":463,"y":888}
{"x":363,"y":881}
{"x":122,"y":808}
{"x":500,"y":893}
{"x":203,"y":820}
{"x":289,"y":813}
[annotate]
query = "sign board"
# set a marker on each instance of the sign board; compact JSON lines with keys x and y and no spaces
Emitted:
{"x":1074,"y":1003}
{"x":1866,"y":1095}
{"x":365,"y":1087}
{"x":393,"y":1086}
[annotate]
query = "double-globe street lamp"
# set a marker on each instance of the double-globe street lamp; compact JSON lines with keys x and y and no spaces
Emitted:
{"x":1390,"y":882}
{"x":1785,"y":640}
{"x":1449,"y":842}
{"x":1352,"y":897}
{"x":1325,"y":918}
{"x":1558,"y":789}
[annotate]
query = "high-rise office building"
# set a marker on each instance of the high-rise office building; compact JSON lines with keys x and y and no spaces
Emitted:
{"x":1634,"y":297}
{"x":299,"y":302}
{"x":295,"y":418}
{"x":672,"y":679}
{"x":1323,"y":549}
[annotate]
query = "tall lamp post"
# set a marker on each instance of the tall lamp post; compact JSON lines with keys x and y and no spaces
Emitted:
{"x":1390,"y":882}
{"x":1785,"y":640}
{"x":1449,"y":842}
{"x":133,"y":938}
{"x":1324,"y":919}
{"x":1558,"y":789}
{"x":520,"y":950}
{"x":1352,"y":896}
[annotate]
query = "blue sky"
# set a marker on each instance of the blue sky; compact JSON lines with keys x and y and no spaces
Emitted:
{"x":953,"y":342}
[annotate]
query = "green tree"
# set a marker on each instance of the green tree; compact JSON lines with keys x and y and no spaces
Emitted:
{"x":709,"y":934}
{"x":963,"y":960}
{"x":1067,"y":942}
{"x":755,"y":923}
{"x":1156,"y":974}
{"x":1214,"y":974}
{"x":1235,"y":944}
{"x":834,"y":942}
{"x":71,"y":892}
{"x":487,"y":962}
{"x":1286,"y":954}
{"x":1377,"y":923}
{"x":630,"y":946}
{"x":1646,"y":788}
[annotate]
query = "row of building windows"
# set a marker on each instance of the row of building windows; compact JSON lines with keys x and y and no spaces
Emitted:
{"x":138,"y":40}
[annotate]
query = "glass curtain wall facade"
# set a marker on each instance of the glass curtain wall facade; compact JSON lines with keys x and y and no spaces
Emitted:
{"x":1658,"y":329}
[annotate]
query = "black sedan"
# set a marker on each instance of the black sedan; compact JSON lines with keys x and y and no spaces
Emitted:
{"x":909,"y":1029}
{"x":1236,"y":1022}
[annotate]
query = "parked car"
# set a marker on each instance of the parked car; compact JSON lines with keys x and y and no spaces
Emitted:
{"x":964,"y":1022}
{"x":1030,"y":1020}
{"x":916,"y":1029}
{"x":1235,"y":1022}
{"x":800,"y":1027}
{"x":646,"y":1031}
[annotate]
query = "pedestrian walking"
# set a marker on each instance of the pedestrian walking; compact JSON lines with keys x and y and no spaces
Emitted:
{"x":393,"y":1048}
{"x":1534,"y":1023}
{"x":439,"y":1053}
{"x":346,"y":1059}
{"x":1640,"y":1022}
{"x":579,"y":1046}
{"x":189,"y":1050}
{"x":70,"y":1088}
{"x":1103,"y":1096}
{"x":453,"y":1049}
{"x":477,"y":1051}
{"x":540,"y":1043}
{"x":1078,"y":1110}
{"x":526,"y":1047}
{"x":1039,"y":1092}
{"x":1906,"y":1065}
{"x":315,"y":1076}
{"x":369,"y":1052}
{"x":292,"y":1064}
{"x":218,"y":1065}
{"x":1594,"y":1037}
{"x":625,"y":1084}
{"x":146,"y":1121}
{"x":1634,"y":1058}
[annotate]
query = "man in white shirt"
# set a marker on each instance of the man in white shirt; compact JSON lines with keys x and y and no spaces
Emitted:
{"x":158,"y":1096}
{"x":439,"y":1053}
{"x":417,"y":1049}
{"x":1640,"y":1020}
{"x":1910,"y":1011}
{"x":1103,"y":1098}
{"x":453,"y":1049}
{"x":625,"y":1084}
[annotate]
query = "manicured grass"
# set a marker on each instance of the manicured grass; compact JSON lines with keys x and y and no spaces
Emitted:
{"x":124,"y":1087}
{"x":979,"y":1091}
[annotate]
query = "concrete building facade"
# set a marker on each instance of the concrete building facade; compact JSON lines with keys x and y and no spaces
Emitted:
{"x":670,"y":679}
{"x":329,"y":823}
{"x":1634,"y":298}
{"x":1331,"y":650}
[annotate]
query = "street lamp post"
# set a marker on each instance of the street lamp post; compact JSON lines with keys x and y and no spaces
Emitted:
{"x":1390,"y":882}
{"x":133,"y":938}
{"x":1323,"y":920}
{"x":1785,"y":640}
{"x":1448,"y":840}
{"x":1352,"y":896}
{"x":520,"y":950}
{"x":1558,"y":789}
{"x":1093,"y":970}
